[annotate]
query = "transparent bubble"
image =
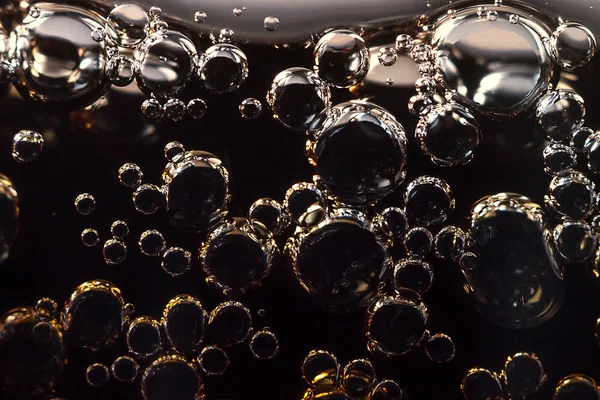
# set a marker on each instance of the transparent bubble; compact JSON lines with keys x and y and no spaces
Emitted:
{"x":468,"y":261}
{"x":237,"y":12}
{"x":85,"y":203}
{"x":97,"y":375}
{"x":573,"y":45}
{"x":34,"y":12}
{"x":428,"y":200}
{"x":576,"y":387}
{"x":148,"y":199}
{"x":176,"y":261}
{"x":169,"y":375}
{"x":513,"y":18}
{"x":305,"y":204}
{"x":129,"y":309}
{"x":213,"y":361}
{"x":120,"y":71}
{"x":480,"y":384}
{"x":558,"y":159}
{"x":297,"y":96}
{"x":250,"y":108}
{"x":264,"y":345}
{"x":267,"y":217}
{"x":271,"y":23}
{"x":98,"y":35}
{"x":174,"y":109}
{"x":144,"y":337}
{"x":387,"y":56}
{"x":152,"y":242}
{"x":481,"y":11}
{"x":579,"y":137}
{"x":418,"y":242}
{"x":341,"y":58}
{"x":592,"y":151}
{"x":223,"y":68}
{"x":426,"y":85}
{"x":392,"y":222}
{"x":154,"y":12}
{"x":200,"y":17}
{"x":125,"y":369}
{"x":27,"y":146}
{"x":386,"y":390}
{"x":229,"y":323}
{"x":422,"y":53}
{"x":262,"y":313}
{"x":440,"y":348}
{"x":358,"y":378}
{"x":46,"y":309}
{"x":119,"y":229}
{"x":114,"y":252}
{"x":184,"y":322}
{"x":126,"y":25}
{"x":90,"y":237}
{"x":226,"y":35}
{"x":93,"y":316}
{"x":451,"y":13}
{"x":321,"y":370}
{"x":42,"y":332}
{"x":420,"y":104}
{"x":413,"y":274}
{"x":575,"y":241}
{"x":524,"y":374}
{"x":131,"y":175}
{"x":492,"y":15}
{"x":196,"y":108}
{"x":571,"y":195}
{"x":450,"y":243}
{"x":389,"y":81}
{"x":404,"y":43}
{"x":559,"y":113}
{"x":152,"y":108}
{"x":173,"y":150}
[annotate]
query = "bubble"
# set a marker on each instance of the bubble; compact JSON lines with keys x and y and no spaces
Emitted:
{"x":126,"y":25}
{"x":425,"y":85}
{"x":262,"y":313}
{"x":413,"y":274}
{"x":213,"y":361}
{"x":558,"y":159}
{"x":513,"y":18}
{"x":426,"y":68}
{"x":85,"y":203}
{"x":97,"y":375}
{"x":223,"y":68}
{"x":176,"y":261}
{"x":492,"y":15}
{"x":90,"y":237}
{"x":440,"y":348}
{"x":450,"y":243}
{"x":114,"y":252}
{"x":297,"y":96}
{"x":386,"y":390}
{"x":387,"y":56}
{"x":396,"y":326}
{"x":119,"y":229}
{"x":171,"y":377}
{"x":419,"y":104}
{"x":267,"y":218}
{"x":341,"y":58}
{"x":237,"y":12}
{"x":579,"y":138}
{"x":305,"y":204}
{"x":125,"y":369}
{"x":393,"y":222}
{"x":571,"y":195}
{"x":481,"y":11}
{"x":524,"y":374}
{"x":42,"y":332}
{"x":507,"y":232}
{"x":46,"y":309}
{"x":339,"y":262}
{"x":152,"y":242}
{"x":148,"y":199}
{"x":404,"y":43}
{"x":120,"y":71}
{"x":27,"y":146}
{"x":428,"y":200}
{"x":174,"y":109}
{"x":592,"y":151}
{"x":200,"y":17}
{"x":573,"y":45}
{"x":197,"y":188}
{"x":468,"y":261}
{"x":164,"y":63}
{"x":196,"y":108}
{"x":575,"y":241}
{"x":152,"y":109}
{"x":264,"y":345}
{"x":143,"y":337}
{"x":341,"y":141}
{"x":418,"y":242}
{"x":73,"y":77}
{"x":271,"y":23}
{"x":389,"y":81}
{"x":226,"y":35}
{"x":130,"y":175}
{"x":154,"y":12}
{"x":481,"y":384}
{"x":98,"y":35}
{"x":229,"y":323}
{"x":93,"y":316}
{"x":358,"y":378}
{"x":128,"y":309}
{"x":559,"y":113}
{"x":421,"y":53}
{"x":184,"y":322}
{"x":576,"y":387}
{"x":449,"y":134}
{"x":321,"y":370}
{"x":7,"y":74}
{"x":250,"y":108}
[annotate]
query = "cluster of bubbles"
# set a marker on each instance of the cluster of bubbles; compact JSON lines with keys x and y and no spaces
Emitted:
{"x":357,"y":380}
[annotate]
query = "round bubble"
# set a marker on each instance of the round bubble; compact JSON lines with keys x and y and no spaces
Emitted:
{"x":341,"y":58}
{"x":126,"y":25}
{"x":223,"y":68}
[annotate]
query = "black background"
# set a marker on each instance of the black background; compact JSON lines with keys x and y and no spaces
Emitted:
{"x":84,"y":150}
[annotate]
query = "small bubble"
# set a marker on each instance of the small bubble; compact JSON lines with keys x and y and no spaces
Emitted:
{"x":152,"y":109}
{"x":271,"y":23}
{"x":143,"y":337}
{"x":97,"y":375}
{"x":452,"y":13}
{"x":264,"y":345}
{"x":161,"y":26}
{"x":85,"y":203}
{"x":128,"y":309}
{"x":174,"y":109}
{"x":440,"y":348}
{"x":237,"y":12}
{"x":499,"y":3}
{"x":114,"y":252}
{"x":426,"y":68}
{"x":151,"y":242}
{"x":125,"y":369}
{"x":196,"y":108}
{"x":46,"y":309}
{"x":126,"y":26}
{"x":213,"y":361}
{"x":173,"y":149}
{"x":119,"y":229}
{"x":42,"y":332}
{"x":250,"y":108}
{"x":226,"y":35}
{"x":148,"y":199}
{"x":176,"y":261}
{"x":513,"y":18}
{"x":481,"y":11}
{"x":387,"y":56}
{"x":404,"y":42}
{"x":131,"y":175}
{"x":421,"y":53}
{"x":34,"y":12}
{"x":27,"y":146}
{"x":321,"y":370}
{"x":155,"y":12}
{"x":200,"y":17}
{"x":120,"y":71}
{"x":262,"y":313}
{"x":90,"y":237}
{"x":389,"y":81}
{"x":98,"y":35}
{"x":492,"y":15}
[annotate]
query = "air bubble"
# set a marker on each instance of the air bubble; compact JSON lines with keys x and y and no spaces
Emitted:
{"x":196,"y":108}
{"x":170,"y":375}
{"x":152,"y":108}
{"x":98,"y":35}
{"x":148,"y":199}
{"x":524,"y":375}
{"x":321,"y":370}
{"x":421,"y":53}
{"x":119,"y":229}
{"x":200,"y":17}
{"x":174,"y":109}
{"x":184,"y":322}
{"x":440,"y":348}
{"x":213,"y":361}
{"x":480,"y":383}
{"x":559,"y":159}
{"x":305,"y":203}
{"x":358,"y":378}
{"x":404,"y":43}
{"x":176,"y":261}
{"x":250,"y":108}
{"x":120,"y":71}
{"x":267,"y":217}
{"x":144,"y":337}
{"x":27,"y":146}
{"x":46,"y":309}
{"x":130,"y":175}
{"x":392,"y":222}
{"x":85,"y":203}
{"x":229,"y":323}
{"x":428,"y":200}
{"x":271,"y":23}
{"x":576,"y":387}
{"x":389,"y":81}
{"x":413,"y":274}
{"x":513,"y":18}
{"x":34,"y":12}
{"x":450,"y":243}
{"x":155,"y":12}
{"x":418,"y":242}
{"x":223,"y":68}
{"x":341,"y":58}
{"x":226,"y":35}
{"x":492,"y":15}
{"x":575,"y":241}
{"x":173,"y":150}
{"x":559,"y":113}
{"x":386,"y":390}
{"x":125,"y":369}
{"x":387,"y":56}
{"x":573,"y":45}
{"x":42,"y":332}
{"x":126,"y":25}
{"x":114,"y":252}
{"x":264,"y":345}
{"x":237,"y":12}
{"x":97,"y":375}
{"x":152,"y":243}
{"x":90,"y":237}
